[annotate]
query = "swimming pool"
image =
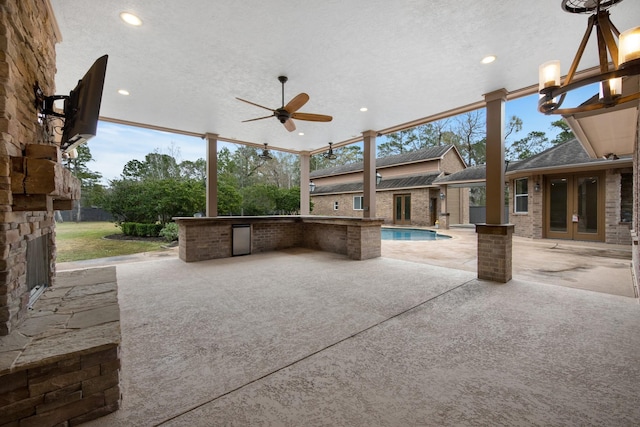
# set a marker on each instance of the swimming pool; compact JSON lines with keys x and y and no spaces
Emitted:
{"x":410,"y":234}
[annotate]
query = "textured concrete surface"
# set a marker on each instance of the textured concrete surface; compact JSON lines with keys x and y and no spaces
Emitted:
{"x":311,"y":338}
{"x":591,"y":266}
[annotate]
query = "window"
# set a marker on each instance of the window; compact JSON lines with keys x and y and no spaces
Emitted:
{"x":335,"y":206}
{"x":521,"y":195}
{"x":357,"y":203}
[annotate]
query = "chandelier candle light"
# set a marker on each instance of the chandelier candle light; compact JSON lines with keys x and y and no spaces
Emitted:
{"x":619,"y":57}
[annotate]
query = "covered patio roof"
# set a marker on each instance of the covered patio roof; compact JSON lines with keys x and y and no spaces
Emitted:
{"x":407,"y":62}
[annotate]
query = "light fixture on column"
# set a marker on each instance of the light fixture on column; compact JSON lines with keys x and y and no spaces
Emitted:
{"x":329,"y":155}
{"x":442,"y":196}
{"x":536,"y":187}
{"x":265,"y":153}
{"x":625,"y":56}
{"x":312,"y":186}
{"x":378,"y":178}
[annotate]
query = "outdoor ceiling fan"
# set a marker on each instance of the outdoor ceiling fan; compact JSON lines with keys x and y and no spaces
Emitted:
{"x":290,"y":111}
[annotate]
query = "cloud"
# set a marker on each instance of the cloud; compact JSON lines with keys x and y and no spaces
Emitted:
{"x":116,"y":144}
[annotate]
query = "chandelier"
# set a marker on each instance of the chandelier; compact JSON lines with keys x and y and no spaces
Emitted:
{"x":619,"y":57}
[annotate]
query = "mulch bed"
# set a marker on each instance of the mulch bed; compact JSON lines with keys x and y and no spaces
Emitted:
{"x":140,"y":239}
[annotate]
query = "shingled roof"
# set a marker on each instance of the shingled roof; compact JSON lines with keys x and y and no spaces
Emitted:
{"x":432,"y":153}
{"x":570,"y":153}
{"x":426,"y":180}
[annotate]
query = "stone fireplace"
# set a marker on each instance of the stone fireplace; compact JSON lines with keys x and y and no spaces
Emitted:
{"x":59,"y":361}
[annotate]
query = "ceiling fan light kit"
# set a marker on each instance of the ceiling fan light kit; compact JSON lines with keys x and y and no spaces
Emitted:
{"x":265,"y":155}
{"x":624,"y":55}
{"x":329,"y":155}
{"x":287,"y":113}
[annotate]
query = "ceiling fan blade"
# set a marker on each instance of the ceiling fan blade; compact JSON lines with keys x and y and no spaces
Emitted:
{"x":311,"y":117}
{"x":259,"y":118}
{"x":253,"y":103}
{"x":289,"y":125}
{"x":297,"y":102}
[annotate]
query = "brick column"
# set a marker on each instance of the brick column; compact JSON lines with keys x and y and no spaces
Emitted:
{"x":444,"y":221}
{"x":494,"y":252}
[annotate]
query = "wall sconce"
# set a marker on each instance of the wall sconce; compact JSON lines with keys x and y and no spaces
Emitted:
{"x":378,"y":178}
{"x":312,"y":186}
{"x":536,"y":187}
{"x":442,"y":196}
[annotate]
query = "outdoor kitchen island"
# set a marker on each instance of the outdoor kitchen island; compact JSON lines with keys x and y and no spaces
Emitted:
{"x":225,"y":236}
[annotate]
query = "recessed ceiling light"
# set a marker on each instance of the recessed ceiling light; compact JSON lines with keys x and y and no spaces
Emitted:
{"x":488,"y":59}
{"x":301,"y":133}
{"x":363,"y":109}
{"x":123,"y":92}
{"x":131,"y":19}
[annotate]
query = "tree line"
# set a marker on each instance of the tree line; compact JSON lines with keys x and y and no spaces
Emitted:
{"x":161,"y":186}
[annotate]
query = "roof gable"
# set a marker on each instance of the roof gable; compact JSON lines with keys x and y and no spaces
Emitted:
{"x":426,"y":154}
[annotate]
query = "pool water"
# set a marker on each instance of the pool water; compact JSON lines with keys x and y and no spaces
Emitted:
{"x":410,"y":234}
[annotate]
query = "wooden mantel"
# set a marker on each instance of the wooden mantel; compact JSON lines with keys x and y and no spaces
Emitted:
{"x":39,"y":182}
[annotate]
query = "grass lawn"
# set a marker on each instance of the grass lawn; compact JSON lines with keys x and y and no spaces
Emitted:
{"x":85,"y":240}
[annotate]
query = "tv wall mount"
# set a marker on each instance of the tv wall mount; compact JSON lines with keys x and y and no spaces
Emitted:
{"x":45,"y":104}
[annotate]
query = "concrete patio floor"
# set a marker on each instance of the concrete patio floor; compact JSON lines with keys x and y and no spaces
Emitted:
{"x":310,"y":338}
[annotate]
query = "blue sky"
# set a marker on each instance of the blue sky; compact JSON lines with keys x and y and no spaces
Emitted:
{"x":115,"y":144}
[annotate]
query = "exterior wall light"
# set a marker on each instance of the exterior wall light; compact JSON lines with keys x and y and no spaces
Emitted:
{"x":442,"y":196}
{"x":536,"y":187}
{"x":378,"y":178}
{"x":312,"y":186}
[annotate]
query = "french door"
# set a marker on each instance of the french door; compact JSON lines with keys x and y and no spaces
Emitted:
{"x":402,"y":208}
{"x":575,"y":207}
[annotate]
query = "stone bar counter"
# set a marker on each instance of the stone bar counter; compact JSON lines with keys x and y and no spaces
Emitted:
{"x":222,"y":237}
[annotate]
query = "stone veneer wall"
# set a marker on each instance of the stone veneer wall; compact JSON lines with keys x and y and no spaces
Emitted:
{"x":60,"y":367}
{"x":616,"y":232}
{"x":635,"y":227}
{"x":27,"y":36}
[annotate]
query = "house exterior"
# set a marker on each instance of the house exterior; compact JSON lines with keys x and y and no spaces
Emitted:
{"x":406,"y":194}
{"x":563,"y":193}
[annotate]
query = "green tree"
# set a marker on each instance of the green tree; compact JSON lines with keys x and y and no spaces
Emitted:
{"x":534,"y":143}
{"x":566,"y":134}
{"x":90,"y":186}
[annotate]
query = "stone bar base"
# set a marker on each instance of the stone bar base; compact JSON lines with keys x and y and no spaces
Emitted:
{"x":495,"y":252}
{"x":210,"y":238}
{"x":61,"y":366}
{"x":443,"y":221}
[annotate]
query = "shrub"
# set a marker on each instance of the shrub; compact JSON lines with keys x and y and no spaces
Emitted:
{"x":170,"y":232}
{"x":140,"y":230}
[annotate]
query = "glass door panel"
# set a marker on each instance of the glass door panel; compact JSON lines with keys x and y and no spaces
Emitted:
{"x":588,"y":205}
{"x":402,"y":204}
{"x":558,"y":190}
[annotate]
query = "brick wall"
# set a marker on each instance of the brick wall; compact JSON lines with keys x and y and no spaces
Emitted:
{"x":325,"y":237}
{"x":495,"y":252}
{"x":27,"y":36}
{"x":206,"y":242}
{"x":420,"y":199}
{"x":274,"y":236}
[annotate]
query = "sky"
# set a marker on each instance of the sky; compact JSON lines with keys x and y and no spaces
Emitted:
{"x":115,"y":144}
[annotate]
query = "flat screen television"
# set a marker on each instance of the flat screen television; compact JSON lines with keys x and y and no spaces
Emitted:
{"x":82,"y":107}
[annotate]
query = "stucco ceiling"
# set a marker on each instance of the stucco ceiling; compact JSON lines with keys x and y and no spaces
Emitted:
{"x":402,"y":59}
